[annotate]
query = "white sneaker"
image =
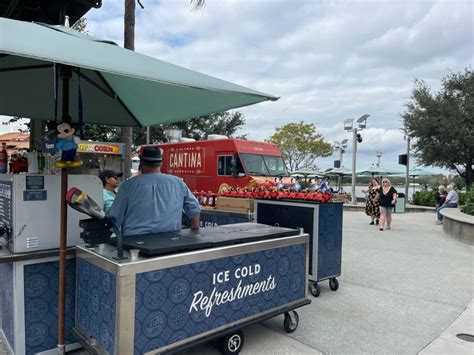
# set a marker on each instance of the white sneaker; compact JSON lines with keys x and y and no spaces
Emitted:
{"x":439,"y":222}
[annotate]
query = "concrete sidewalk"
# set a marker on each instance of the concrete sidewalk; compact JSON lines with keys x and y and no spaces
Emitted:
{"x":399,"y":289}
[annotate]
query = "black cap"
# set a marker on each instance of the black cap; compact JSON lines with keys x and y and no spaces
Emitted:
{"x":151,"y":154}
{"x":108,"y":174}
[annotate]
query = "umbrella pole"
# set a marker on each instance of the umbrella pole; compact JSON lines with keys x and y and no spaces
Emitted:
{"x":66,"y":73}
{"x":62,"y":262}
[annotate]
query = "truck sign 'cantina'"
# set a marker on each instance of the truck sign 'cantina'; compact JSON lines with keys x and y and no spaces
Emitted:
{"x":186,"y":159}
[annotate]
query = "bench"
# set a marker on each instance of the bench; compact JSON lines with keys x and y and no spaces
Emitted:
{"x":458,"y":225}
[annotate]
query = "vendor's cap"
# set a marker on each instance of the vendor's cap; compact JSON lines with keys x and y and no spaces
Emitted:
{"x":108,"y":174}
{"x":151,"y":155}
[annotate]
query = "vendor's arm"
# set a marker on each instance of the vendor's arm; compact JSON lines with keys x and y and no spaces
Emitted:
{"x":195,"y":222}
{"x":191,"y":207}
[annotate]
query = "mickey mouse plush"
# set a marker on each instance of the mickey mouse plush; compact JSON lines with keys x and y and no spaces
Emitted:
{"x":67,"y":142}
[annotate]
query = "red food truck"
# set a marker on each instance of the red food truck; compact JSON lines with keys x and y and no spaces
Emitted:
{"x":218,"y":164}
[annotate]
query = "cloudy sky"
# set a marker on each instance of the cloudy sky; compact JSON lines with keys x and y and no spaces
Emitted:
{"x":327,"y":60}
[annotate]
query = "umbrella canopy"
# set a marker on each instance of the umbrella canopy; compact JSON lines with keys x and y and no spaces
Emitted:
{"x":338,"y":171}
{"x":118,"y":87}
{"x":374,"y":170}
{"x":416,"y":172}
{"x":307,"y":173}
{"x":420,"y":172}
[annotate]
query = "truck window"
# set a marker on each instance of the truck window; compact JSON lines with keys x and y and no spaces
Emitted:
{"x":264,"y":165}
{"x":276,"y":165}
{"x":224,"y":165}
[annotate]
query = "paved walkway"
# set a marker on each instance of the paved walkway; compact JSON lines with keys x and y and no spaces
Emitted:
{"x":399,"y":290}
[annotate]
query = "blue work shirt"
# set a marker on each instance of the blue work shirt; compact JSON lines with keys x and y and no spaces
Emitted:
{"x":109,"y":197}
{"x":153,"y":203}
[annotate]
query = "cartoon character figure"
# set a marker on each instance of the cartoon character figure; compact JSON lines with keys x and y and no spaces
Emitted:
{"x":67,"y":143}
{"x":325,"y":185}
{"x":313,"y":185}
{"x":279,"y":183}
{"x":295,"y":186}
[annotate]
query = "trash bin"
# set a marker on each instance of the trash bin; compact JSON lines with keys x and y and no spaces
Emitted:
{"x":400,"y":205}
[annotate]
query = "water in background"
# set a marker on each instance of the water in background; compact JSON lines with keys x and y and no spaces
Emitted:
{"x":399,"y":188}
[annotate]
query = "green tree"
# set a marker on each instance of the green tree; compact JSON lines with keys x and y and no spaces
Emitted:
{"x":443,"y":123}
{"x":300,"y":145}
{"x":199,"y":128}
{"x":224,"y":123}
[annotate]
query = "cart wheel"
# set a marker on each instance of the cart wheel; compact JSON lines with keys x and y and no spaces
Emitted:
{"x":291,"y":321}
{"x":233,"y":343}
{"x":315,"y":290}
{"x":333,"y":284}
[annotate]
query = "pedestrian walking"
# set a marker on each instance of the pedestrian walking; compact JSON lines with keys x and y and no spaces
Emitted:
{"x":372,"y":204}
{"x":387,"y":196}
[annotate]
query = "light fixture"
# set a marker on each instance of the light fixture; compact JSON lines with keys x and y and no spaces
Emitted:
{"x":362,"y":121}
{"x":337,"y":145}
{"x":348,"y":124}
{"x":344,"y":143}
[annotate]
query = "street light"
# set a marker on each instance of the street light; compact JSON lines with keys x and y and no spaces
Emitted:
{"x":348,"y":126}
{"x":341,"y":147}
{"x":378,"y":152}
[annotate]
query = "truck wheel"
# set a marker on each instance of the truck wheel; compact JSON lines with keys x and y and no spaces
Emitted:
{"x":232,"y":343}
{"x":291,"y":321}
{"x":333,"y":284}
{"x":315,"y":290}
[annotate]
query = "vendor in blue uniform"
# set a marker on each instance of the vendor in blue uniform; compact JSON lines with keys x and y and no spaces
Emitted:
{"x":153,"y":202}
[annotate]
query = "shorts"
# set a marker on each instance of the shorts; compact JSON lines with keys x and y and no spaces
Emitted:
{"x":386,"y":210}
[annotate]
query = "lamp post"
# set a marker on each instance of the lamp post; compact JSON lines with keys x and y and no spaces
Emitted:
{"x":407,"y":137}
{"x":341,"y":147}
{"x":379,"y":155}
{"x":348,"y":126}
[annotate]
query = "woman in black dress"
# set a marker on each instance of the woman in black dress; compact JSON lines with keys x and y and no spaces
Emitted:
{"x":387,"y":197}
{"x":372,"y":205}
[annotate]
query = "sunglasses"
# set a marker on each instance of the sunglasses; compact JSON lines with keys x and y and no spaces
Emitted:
{"x":385,"y":182}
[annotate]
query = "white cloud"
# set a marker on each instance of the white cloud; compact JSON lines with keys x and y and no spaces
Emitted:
{"x":328,"y":60}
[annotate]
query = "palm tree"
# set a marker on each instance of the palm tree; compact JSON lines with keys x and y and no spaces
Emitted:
{"x":126,"y":133}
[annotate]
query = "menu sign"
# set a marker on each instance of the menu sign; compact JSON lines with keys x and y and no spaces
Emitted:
{"x":6,"y":207}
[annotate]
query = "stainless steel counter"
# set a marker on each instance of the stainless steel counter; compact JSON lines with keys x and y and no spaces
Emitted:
{"x":6,"y":256}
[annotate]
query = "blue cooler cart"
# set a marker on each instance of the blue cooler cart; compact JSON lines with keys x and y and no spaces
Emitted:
{"x":189,"y":287}
{"x":213,"y":217}
{"x":323,"y":223}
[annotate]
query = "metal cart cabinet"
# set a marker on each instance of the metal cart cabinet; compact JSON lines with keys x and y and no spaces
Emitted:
{"x":169,"y":302}
{"x":323,"y":223}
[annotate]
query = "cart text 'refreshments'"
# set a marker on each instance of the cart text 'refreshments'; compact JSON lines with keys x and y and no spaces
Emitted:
{"x":235,"y":293}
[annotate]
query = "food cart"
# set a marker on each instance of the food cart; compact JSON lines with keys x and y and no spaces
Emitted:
{"x":213,"y":284}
